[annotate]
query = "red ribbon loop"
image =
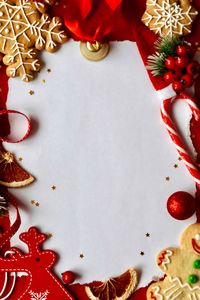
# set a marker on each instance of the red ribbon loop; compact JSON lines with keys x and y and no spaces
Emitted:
{"x":10,"y":140}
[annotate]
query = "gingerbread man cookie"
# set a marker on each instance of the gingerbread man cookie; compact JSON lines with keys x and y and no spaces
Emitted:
{"x":25,"y":27}
{"x":182,"y":269}
{"x":169,"y":17}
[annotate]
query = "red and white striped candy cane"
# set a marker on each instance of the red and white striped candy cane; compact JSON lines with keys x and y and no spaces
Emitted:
{"x":177,"y":140}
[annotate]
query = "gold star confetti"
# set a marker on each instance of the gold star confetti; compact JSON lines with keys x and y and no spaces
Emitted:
{"x":20,"y":158}
{"x":81,"y":256}
{"x":175,"y":166}
{"x":49,"y":70}
{"x":142,"y":253}
{"x":35,"y":203}
{"x":31,"y":92}
{"x":53,"y":187}
{"x":167,"y":178}
{"x":43,"y":81}
{"x":49,"y":235}
{"x":148,"y":234}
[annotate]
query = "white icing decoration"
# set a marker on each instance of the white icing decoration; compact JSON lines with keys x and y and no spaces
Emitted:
{"x":169,"y":16}
{"x":197,"y":237}
{"x":39,"y":296}
{"x":1,"y":13}
{"x":167,"y":260}
{"x":177,"y":290}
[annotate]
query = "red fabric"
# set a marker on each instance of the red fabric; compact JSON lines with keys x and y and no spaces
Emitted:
{"x":38,"y":264}
{"x":91,"y":20}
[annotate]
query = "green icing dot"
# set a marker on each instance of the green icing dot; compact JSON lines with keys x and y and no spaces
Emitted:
{"x":193,"y":279}
{"x":196,"y":264}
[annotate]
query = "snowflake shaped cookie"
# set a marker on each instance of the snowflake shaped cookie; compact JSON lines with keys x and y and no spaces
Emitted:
{"x":169,"y":17}
{"x":24,"y":27}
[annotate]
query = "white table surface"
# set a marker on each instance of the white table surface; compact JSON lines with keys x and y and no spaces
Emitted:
{"x":98,"y":137}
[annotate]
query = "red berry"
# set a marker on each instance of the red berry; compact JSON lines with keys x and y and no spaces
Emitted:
{"x":68,"y":277}
{"x":183,"y":50}
{"x":177,"y":73}
{"x":187,"y":80}
{"x":181,"y":205}
{"x":168,"y":77}
{"x":193,"y":68}
{"x":178,"y":87}
{"x":170,"y":62}
{"x":182,"y":62}
{"x":172,"y":75}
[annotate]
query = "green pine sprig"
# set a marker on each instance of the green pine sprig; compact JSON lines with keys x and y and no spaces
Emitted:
{"x":164,"y":47}
{"x":167,"y":45}
{"x":156,"y":64}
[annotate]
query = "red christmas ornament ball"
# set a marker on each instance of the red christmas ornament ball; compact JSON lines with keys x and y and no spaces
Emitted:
{"x":68,"y":277}
{"x":181,"y":205}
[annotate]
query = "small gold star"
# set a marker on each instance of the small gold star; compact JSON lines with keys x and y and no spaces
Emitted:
{"x":49,"y":235}
{"x":167,"y":178}
{"x":31,"y":92}
{"x":142,"y":253}
{"x":36,"y":203}
{"x":148,"y":234}
{"x":53,"y":187}
{"x":20,"y":158}
{"x":49,"y":70}
{"x":81,"y":256}
{"x":43,"y":80}
{"x":175,"y":166}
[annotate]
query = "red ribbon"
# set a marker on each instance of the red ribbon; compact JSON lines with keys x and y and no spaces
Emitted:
{"x":7,"y":235}
{"x":6,"y":113}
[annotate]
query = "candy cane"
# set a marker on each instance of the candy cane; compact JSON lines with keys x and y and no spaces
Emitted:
{"x":176,"y":139}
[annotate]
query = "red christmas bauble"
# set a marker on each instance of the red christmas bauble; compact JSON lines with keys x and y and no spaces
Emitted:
{"x":193,"y":68}
{"x":68,"y":277}
{"x":182,"y":61}
{"x":187,"y":80}
{"x":178,"y":87}
{"x":182,"y":50}
{"x":170,"y":62}
{"x":181,"y":205}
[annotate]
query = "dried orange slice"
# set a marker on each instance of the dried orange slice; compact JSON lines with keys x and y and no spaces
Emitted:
{"x":11,"y":174}
{"x":116,"y":288}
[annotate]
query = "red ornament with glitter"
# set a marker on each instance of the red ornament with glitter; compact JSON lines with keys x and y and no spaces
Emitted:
{"x":181,"y":205}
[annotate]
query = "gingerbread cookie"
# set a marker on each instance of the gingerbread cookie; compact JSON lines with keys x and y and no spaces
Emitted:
{"x":24,"y":27}
{"x":169,"y":17}
{"x":182,"y":269}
